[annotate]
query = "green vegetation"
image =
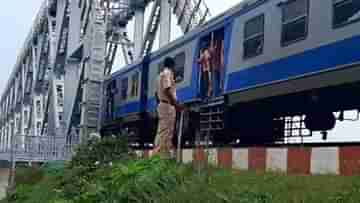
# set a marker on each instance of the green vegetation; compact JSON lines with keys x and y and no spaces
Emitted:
{"x":94,"y":176}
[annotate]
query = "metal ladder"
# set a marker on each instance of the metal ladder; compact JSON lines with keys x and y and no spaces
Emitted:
{"x":190,"y":13}
{"x":212,"y":118}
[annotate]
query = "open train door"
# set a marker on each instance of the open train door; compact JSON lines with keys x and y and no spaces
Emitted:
{"x":211,"y":64}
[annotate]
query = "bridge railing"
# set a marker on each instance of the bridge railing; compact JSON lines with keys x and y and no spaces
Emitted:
{"x":38,"y":149}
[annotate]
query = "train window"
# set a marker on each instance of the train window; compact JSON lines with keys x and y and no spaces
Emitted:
{"x":345,"y":12}
{"x":294,"y":21}
{"x":124,"y":88}
{"x":179,"y":67}
{"x":135,"y":85}
{"x":254,"y":37}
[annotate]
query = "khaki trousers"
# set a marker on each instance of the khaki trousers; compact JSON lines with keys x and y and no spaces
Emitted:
{"x":166,"y":128}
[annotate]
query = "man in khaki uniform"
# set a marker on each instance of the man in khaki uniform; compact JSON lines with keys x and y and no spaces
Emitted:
{"x":167,"y":100}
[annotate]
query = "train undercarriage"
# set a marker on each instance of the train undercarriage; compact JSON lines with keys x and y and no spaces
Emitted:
{"x":272,"y":120}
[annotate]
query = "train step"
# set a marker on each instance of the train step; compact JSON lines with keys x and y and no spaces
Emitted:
{"x":212,"y":116}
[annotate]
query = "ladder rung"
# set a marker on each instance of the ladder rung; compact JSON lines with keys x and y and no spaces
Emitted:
{"x":211,"y":121}
{"x":211,"y":113}
{"x":211,"y":129}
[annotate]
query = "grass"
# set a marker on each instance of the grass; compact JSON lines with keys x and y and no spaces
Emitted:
{"x":104,"y":171}
{"x":250,"y":187}
{"x":160,"y":181}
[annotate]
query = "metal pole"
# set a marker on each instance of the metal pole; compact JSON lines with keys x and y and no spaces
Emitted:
{"x":198,"y":147}
{"x":178,"y":156}
{"x":13,"y":164}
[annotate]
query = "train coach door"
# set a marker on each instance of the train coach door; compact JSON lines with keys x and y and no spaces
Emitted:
{"x":211,"y":64}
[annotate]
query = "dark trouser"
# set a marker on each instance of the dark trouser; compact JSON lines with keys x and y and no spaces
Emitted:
{"x":204,"y":84}
{"x":216,"y":83}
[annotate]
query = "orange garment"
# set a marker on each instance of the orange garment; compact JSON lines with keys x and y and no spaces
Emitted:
{"x":204,"y":60}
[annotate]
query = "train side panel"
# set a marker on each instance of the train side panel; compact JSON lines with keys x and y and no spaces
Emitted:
{"x":184,"y":55}
{"x":324,"y":48}
{"x":124,"y":104}
{"x":314,"y":75}
{"x":131,"y":103}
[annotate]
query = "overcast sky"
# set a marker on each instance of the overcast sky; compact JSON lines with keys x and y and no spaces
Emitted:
{"x":16,"y":19}
{"x":15,"y":22}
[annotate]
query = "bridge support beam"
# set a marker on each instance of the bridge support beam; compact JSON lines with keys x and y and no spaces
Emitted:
{"x":139,"y":30}
{"x":165,"y":23}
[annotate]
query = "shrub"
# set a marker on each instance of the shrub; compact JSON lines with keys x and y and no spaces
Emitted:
{"x":101,"y":152}
{"x":28,"y":175}
{"x":54,"y":168}
{"x":142,"y":181}
{"x":88,"y":165}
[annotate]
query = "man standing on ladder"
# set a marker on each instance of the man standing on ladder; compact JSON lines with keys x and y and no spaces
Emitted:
{"x":167,"y":107}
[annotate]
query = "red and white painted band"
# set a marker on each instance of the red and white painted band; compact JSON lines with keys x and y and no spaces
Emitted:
{"x":343,"y":160}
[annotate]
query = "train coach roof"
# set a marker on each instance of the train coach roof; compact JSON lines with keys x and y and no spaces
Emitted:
{"x":125,"y":70}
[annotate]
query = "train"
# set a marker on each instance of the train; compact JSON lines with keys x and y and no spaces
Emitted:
{"x":271,"y":60}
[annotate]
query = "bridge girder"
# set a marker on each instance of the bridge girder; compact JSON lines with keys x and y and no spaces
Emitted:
{"x":56,"y":83}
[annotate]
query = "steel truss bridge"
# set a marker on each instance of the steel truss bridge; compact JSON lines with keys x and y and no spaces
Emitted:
{"x":52,"y":99}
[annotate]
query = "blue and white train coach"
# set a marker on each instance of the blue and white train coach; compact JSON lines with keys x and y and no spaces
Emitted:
{"x":270,"y":59}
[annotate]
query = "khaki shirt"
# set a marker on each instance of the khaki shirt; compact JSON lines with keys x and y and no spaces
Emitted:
{"x":166,"y":80}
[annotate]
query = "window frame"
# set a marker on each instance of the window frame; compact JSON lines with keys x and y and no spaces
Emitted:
{"x":337,"y":26}
{"x":284,"y":23}
{"x":254,"y":36}
{"x":184,"y":66}
{"x":122,"y":88}
{"x":160,"y":65}
{"x":135,"y":75}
